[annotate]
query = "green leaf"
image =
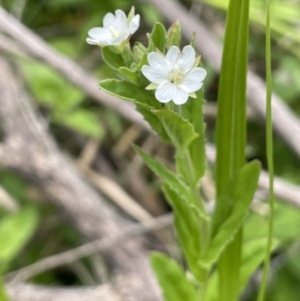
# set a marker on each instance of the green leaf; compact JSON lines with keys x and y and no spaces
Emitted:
{"x":180,"y":131}
{"x":153,"y":121}
{"x":129,"y":92}
{"x":82,"y":121}
{"x":127,"y":56}
{"x":193,"y":112}
{"x":172,"y":279}
{"x":158,"y":36}
{"x":231,"y":130}
{"x":231,"y":209}
{"x":252,"y":256}
{"x":129,"y":75}
{"x":143,"y":61}
{"x":270,"y":157}
{"x":131,"y":14}
{"x":50,"y":88}
{"x":151,"y":46}
{"x":165,"y":174}
{"x":111,"y":58}
{"x":231,"y":119}
{"x":174,"y":35}
{"x":254,"y":252}
{"x":187,"y":228}
{"x":193,"y":40}
{"x":15,"y":230}
{"x":139,"y":50}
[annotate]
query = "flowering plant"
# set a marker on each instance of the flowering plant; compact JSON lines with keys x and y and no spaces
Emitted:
{"x":206,"y":239}
{"x":174,"y":76}
{"x":116,"y":29}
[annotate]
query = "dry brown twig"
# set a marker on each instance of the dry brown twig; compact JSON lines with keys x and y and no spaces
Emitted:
{"x":28,"y":149}
{"x":88,"y":249}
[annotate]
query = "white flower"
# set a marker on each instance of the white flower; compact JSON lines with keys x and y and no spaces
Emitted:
{"x":116,"y":29}
{"x":174,"y":76}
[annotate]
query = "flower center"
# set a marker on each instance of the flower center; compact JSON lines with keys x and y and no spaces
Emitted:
{"x":115,"y":33}
{"x":176,"y":76}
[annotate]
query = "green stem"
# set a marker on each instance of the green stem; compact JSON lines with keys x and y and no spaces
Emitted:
{"x":204,"y":223}
{"x":231,"y":132}
{"x":127,"y":55}
{"x":198,"y":202}
{"x":229,"y":267}
{"x":269,"y":138}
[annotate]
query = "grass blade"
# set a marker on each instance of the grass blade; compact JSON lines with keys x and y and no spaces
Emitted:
{"x":231,"y":130}
{"x":269,"y":137}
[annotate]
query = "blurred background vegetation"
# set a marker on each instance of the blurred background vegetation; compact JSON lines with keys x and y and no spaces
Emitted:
{"x":77,"y":121}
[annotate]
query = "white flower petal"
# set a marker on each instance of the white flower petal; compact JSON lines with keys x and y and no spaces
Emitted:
{"x":97,"y":32}
{"x":186,"y":59}
{"x":179,"y":96}
{"x":91,"y":41}
{"x":116,"y":29}
{"x":192,"y":80}
{"x":158,"y":61}
{"x":119,"y":39}
{"x":172,"y":54}
{"x":121,"y":20}
{"x":165,"y":91}
{"x":188,"y":89}
{"x":198,"y":72}
{"x":100,"y":35}
{"x":155,"y":75}
{"x":109,"y":20}
{"x":134,"y":24}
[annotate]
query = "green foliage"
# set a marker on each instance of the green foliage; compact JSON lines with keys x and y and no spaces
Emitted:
{"x":174,"y":35}
{"x":193,"y":112}
{"x":153,"y":121}
{"x":158,"y":36}
{"x":15,"y":230}
{"x":254,"y":252}
{"x":166,"y":175}
{"x":253,"y":255}
{"x":287,"y":79}
{"x":285,"y":286}
{"x":231,"y":208}
{"x":188,"y":229}
{"x":129,"y":92}
{"x":64,"y":100}
{"x":185,"y":131}
{"x":129,"y":75}
{"x":180,"y":131}
{"x":285,"y":16}
{"x":231,"y":131}
{"x":269,"y":152}
{"x":172,"y":279}
{"x":49,"y":88}
{"x":82,"y":121}
{"x":111,"y":57}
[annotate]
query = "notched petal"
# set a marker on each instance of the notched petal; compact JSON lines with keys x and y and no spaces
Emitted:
{"x":165,"y":91}
{"x":172,"y":54}
{"x":158,"y":61}
{"x":187,"y":59}
{"x":109,"y":20}
{"x":134,"y":24}
{"x":154,"y":75}
{"x":179,"y":96}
